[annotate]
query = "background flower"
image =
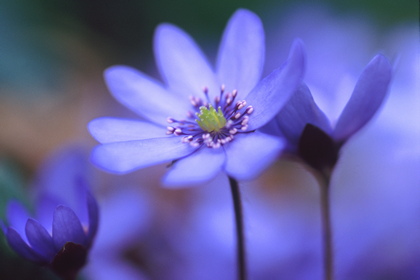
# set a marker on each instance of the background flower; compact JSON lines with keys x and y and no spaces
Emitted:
{"x":59,"y":236}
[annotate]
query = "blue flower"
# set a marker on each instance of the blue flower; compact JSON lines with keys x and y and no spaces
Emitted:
{"x":309,"y":132}
{"x":61,"y":233}
{"x":204,"y":119}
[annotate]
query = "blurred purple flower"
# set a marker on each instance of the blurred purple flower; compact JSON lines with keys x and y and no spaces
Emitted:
{"x":212,"y":131}
{"x":62,"y":231}
{"x":125,"y":218}
{"x":309,"y":132}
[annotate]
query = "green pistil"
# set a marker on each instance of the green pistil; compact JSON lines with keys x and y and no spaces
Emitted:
{"x":211,"y":120}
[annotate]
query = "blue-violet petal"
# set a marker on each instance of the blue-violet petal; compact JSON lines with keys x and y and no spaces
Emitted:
{"x":40,"y":240}
{"x":67,"y":228}
{"x":368,"y":95}
{"x":269,"y":96}
{"x":93,"y":213}
{"x":21,"y":247}
{"x":144,"y":95}
{"x":109,"y":130}
{"x":248,"y":155}
{"x":241,"y":53}
{"x":123,"y":157}
{"x":300,"y":110}
{"x":182,"y":63}
{"x":17,"y":216}
{"x":201,"y":166}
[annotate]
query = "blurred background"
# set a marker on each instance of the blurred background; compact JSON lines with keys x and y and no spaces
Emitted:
{"x":52,"y":56}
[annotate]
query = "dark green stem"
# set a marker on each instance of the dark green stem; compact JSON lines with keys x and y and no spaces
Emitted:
{"x":326,"y":227}
{"x":240,"y":239}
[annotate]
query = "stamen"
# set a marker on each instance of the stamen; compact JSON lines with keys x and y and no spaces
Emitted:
{"x":249,"y":110}
{"x":245,"y":120}
{"x":212,"y":124}
{"x":170,"y":130}
{"x":240,"y":104}
{"x":178,"y":132}
{"x":234,"y":93}
{"x":233,"y":131}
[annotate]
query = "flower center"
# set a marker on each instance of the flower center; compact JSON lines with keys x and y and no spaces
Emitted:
{"x":211,"y":120}
{"x":205,"y":125}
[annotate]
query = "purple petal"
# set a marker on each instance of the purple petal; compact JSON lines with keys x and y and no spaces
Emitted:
{"x":269,"y":96}
{"x":367,"y":97}
{"x":93,"y":213}
{"x":108,"y":130}
{"x":66,"y":168}
{"x":201,"y":166}
{"x":67,"y":228}
{"x":181,"y":62}
{"x":300,"y":110}
{"x":45,"y":209}
{"x":40,"y":239}
{"x":17,"y":216}
{"x":123,"y":157}
{"x":144,"y":95}
{"x":241,"y":53}
{"x":21,"y":247}
{"x":249,"y":154}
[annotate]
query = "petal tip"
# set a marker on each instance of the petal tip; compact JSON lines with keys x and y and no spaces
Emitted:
{"x":383,"y":63}
{"x":245,"y":13}
{"x":114,"y":71}
{"x":297,"y":51}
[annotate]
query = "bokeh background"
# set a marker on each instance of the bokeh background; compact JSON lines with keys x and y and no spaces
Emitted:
{"x":52,"y":56}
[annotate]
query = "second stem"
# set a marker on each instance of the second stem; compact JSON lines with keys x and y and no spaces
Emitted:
{"x":326,"y":228}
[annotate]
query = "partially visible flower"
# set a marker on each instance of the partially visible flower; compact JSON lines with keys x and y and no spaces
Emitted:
{"x":62,"y":231}
{"x":211,"y":126}
{"x":310,"y":134}
{"x":125,"y":218}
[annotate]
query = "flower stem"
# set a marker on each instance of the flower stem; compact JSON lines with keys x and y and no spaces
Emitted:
{"x":326,"y":227}
{"x":237,"y":205}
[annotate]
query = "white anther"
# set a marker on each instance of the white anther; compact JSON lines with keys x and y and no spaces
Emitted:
{"x":187,"y":139}
{"x":178,"y":132}
{"x":228,"y":100}
{"x":216,"y":145}
{"x":244,"y":127}
{"x":233,"y":131}
{"x":228,"y":123}
{"x":206,"y":136}
{"x":237,"y":116}
{"x":194,"y":144}
{"x":240,"y":104}
{"x":249,"y":110}
{"x":170,"y":130}
{"x":245,"y":120}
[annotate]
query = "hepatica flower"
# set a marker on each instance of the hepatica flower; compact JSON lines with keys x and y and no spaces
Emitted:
{"x":204,"y":120}
{"x":58,"y":236}
{"x":309,"y":132}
